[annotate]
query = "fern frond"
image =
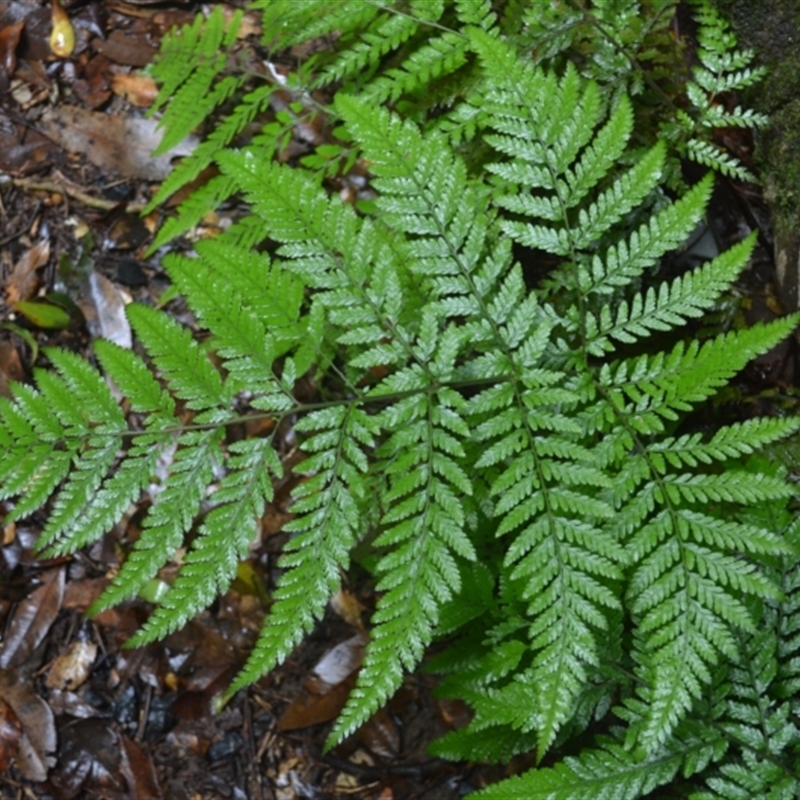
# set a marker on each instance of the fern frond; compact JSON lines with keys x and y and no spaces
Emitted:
{"x":438,"y":56}
{"x":788,"y":621}
{"x":710,"y":155}
{"x":252,"y":308}
{"x":222,"y":540}
{"x":732,"y":441}
{"x":722,"y":69}
{"x":626,"y":261}
{"x":328,"y":523}
{"x":289,"y":23}
{"x":171,"y":515}
{"x":685,"y":594}
{"x":500,"y":438}
{"x":424,"y":527}
{"x":185,"y":367}
{"x":250,"y":105}
{"x":37,"y":453}
{"x":387,"y":33}
{"x":761,"y":727}
{"x":193,"y":209}
{"x":674,"y":381}
{"x":687,"y":297}
{"x":609,"y":772}
{"x":424,"y":519}
{"x":195,"y":92}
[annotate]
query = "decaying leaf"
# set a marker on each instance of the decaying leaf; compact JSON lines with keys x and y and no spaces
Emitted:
{"x":23,"y":281}
{"x":10,"y":735}
{"x":131,"y":48}
{"x":32,"y":620}
{"x":10,"y":367}
{"x":324,"y":695}
{"x":9,"y":40}
{"x":89,"y":760}
{"x":38,"y":739}
{"x":139,"y":90}
{"x":346,"y":605}
{"x":120,"y":145}
{"x":72,"y":668}
{"x":104,"y":308}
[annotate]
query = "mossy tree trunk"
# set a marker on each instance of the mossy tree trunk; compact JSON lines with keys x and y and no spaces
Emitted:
{"x":772,"y":29}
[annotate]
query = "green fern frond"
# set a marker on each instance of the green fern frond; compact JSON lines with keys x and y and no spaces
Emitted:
{"x":669,"y":382}
{"x":181,"y":362}
{"x":759,"y":725}
{"x":710,"y":155}
{"x":192,"y":60}
{"x":504,"y":440}
{"x":626,"y":261}
{"x":171,"y":515}
{"x":688,"y":296}
{"x":328,"y":523}
{"x":437,"y":57}
{"x":36,"y":451}
{"x":723,"y":68}
{"x":290,"y":23}
{"x":387,"y":33}
{"x":222,"y":540}
{"x":252,"y":308}
{"x":218,"y":189}
{"x":250,"y":105}
{"x":609,"y":772}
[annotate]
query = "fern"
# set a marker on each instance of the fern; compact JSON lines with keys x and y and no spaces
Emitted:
{"x":511,"y":451}
{"x":419,"y":58}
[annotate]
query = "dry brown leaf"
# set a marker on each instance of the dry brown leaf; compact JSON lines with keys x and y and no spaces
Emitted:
{"x":346,"y":605}
{"x":379,"y":735}
{"x":10,"y":367}
{"x":138,"y":770}
{"x":309,"y":709}
{"x":104,"y":308}
{"x":23,"y":151}
{"x":9,"y":39}
{"x":32,"y":619}
{"x":10,"y":735}
{"x":130,"y":48}
{"x":89,"y":760}
{"x":139,"y":90}
{"x":38,"y":740}
{"x":122,"y":145}
{"x":72,"y":668}
{"x":94,"y":87}
{"x":23,"y":281}
{"x":324,"y":696}
{"x":79,"y":595}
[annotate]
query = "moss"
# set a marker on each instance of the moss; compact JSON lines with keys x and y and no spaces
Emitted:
{"x":772,"y":29}
{"x":780,"y":156}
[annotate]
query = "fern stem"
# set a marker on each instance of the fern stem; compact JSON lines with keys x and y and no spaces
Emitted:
{"x":426,"y":22}
{"x":299,"y":409}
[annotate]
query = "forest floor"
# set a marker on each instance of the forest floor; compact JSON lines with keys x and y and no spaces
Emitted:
{"x":80,"y":716}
